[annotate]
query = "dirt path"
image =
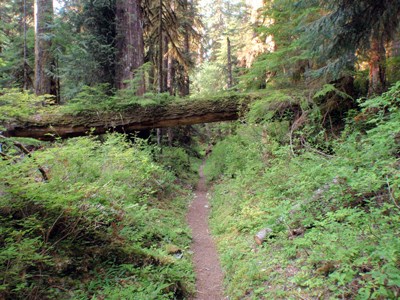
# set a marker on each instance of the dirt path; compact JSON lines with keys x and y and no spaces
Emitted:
{"x":209,"y":276}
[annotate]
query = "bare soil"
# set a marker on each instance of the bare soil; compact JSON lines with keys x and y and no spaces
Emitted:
{"x":209,"y":276}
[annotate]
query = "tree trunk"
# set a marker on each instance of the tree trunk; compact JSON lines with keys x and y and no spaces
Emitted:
{"x":160,"y":49}
{"x":170,"y":133}
{"x":394,"y":46}
{"x":165,"y":63}
{"x":230,"y":77}
{"x":44,"y":82}
{"x":159,"y":136}
{"x":25,"y":49}
{"x":170,"y":81}
{"x":130,"y":44}
{"x":186,"y":80}
{"x":377,"y":60}
{"x":171,"y":75}
{"x":161,"y":87}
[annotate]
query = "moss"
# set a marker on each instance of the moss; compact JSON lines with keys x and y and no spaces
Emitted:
{"x":133,"y":117}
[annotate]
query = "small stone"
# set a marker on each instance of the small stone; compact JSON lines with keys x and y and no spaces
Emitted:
{"x":178,"y":255}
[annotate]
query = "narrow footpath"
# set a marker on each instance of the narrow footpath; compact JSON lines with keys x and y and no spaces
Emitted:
{"x":209,"y":276}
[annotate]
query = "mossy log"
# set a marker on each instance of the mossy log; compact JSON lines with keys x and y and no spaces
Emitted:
{"x":130,"y":119}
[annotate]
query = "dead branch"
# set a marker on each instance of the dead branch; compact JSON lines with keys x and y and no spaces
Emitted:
{"x":29,"y":154}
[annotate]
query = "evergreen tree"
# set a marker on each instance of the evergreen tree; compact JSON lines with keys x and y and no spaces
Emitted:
{"x":285,"y":59}
{"x":86,"y":45}
{"x":350,"y":27}
{"x":223,"y":20}
{"x":16,"y":44}
{"x":171,"y":30}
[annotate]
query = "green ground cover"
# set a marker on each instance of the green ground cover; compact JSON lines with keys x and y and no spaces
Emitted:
{"x":333,"y":209}
{"x":107,"y":224}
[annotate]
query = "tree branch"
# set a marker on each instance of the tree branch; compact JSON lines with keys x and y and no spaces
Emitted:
{"x":29,"y":154}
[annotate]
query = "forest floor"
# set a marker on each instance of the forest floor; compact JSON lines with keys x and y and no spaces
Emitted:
{"x":209,"y":276}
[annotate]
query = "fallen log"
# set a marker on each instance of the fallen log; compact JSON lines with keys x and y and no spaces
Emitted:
{"x":134,"y":118}
{"x":261,"y":235}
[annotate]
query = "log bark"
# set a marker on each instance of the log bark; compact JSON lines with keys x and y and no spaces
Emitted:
{"x":134,"y":118}
{"x":261,"y":235}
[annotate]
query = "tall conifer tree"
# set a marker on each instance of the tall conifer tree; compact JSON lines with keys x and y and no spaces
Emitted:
{"x":130,"y":46}
{"x":44,"y":62}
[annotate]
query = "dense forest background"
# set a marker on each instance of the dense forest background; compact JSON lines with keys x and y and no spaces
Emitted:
{"x":156,"y":44}
{"x":313,"y":160}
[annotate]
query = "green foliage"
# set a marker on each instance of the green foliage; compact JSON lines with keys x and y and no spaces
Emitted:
{"x":99,"y":227}
{"x":90,"y":98}
{"x":256,"y":77}
{"x":230,"y":156}
{"x":84,"y":45}
{"x":329,"y":89}
{"x":334,"y":218}
{"x":317,"y":42}
{"x":387,"y":102}
{"x":178,"y":161}
{"x":209,"y":79}
{"x":82,"y":59}
{"x":15,"y":104}
{"x":288,"y":60}
{"x":12,"y":44}
{"x":277,"y":104}
{"x":347,"y":28}
{"x":101,"y":98}
{"x":141,"y":74}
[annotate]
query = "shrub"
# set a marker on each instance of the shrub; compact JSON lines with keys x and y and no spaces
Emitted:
{"x":94,"y":227}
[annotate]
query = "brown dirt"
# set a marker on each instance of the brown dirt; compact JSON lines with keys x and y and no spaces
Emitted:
{"x":209,"y":276}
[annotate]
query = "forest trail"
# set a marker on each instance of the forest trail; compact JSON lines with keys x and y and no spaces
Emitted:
{"x":209,"y":276}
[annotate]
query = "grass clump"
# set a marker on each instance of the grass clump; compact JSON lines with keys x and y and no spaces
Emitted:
{"x":334,"y":217}
{"x":98,"y":228}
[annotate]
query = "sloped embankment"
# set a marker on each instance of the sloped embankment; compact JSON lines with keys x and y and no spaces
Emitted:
{"x":332,"y":218}
{"x":106,"y":222}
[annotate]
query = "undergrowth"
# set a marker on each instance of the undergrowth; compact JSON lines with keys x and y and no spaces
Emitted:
{"x":102,"y":98}
{"x":15,"y":104}
{"x":333,"y":217}
{"x":105,"y":222}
